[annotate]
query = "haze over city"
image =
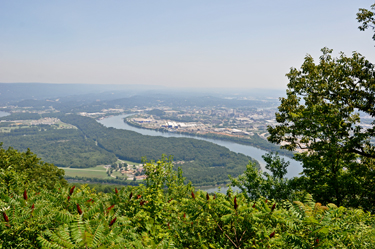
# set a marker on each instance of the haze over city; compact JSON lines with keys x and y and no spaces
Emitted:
{"x":237,"y":44}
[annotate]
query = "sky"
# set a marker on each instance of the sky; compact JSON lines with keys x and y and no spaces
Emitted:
{"x":199,"y":44}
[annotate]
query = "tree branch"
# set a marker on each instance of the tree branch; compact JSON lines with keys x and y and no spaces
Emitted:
{"x":226,"y":235}
{"x":362,"y":153}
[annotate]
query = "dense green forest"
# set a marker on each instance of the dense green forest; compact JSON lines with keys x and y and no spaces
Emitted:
{"x":63,"y":147}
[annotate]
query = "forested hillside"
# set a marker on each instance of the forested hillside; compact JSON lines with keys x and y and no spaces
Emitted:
{"x":63,"y":147}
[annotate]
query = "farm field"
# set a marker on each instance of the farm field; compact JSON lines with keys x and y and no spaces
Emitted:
{"x":97,"y":172}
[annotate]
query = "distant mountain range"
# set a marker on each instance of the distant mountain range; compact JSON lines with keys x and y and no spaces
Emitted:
{"x":15,"y":92}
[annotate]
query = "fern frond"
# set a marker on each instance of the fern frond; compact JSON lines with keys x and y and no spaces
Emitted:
{"x":47,"y":244}
{"x":62,"y":237}
{"x":64,"y":216}
{"x":98,"y":235}
{"x":77,"y":229}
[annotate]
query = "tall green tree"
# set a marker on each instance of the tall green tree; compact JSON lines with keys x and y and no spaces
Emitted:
{"x":320,"y":118}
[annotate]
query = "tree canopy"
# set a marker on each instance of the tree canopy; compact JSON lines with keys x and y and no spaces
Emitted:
{"x":36,"y":172}
{"x":321,"y":118}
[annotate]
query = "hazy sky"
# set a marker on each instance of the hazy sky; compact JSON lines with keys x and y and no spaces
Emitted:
{"x":173,"y":43}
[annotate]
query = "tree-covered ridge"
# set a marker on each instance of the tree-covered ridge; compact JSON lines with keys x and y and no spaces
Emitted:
{"x":166,"y":213}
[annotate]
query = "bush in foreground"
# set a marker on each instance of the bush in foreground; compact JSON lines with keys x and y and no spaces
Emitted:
{"x":166,"y":213}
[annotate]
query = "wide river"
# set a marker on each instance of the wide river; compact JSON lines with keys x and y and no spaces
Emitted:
{"x":117,"y":122}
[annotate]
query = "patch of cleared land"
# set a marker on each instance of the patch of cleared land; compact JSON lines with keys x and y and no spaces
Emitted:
{"x":99,"y":171}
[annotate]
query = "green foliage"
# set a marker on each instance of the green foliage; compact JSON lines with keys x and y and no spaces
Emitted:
{"x":152,"y":216}
{"x":35,"y":171}
{"x":166,"y":213}
{"x":254,"y":184}
{"x":320,"y":117}
{"x":100,"y":184}
{"x":98,"y":188}
{"x":63,"y":147}
{"x":327,"y":226}
{"x":367,"y":19}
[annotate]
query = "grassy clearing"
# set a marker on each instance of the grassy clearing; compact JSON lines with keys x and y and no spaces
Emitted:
{"x":99,"y":167}
{"x":86,"y":173}
{"x":62,"y":125}
{"x":116,"y":173}
{"x":98,"y":171}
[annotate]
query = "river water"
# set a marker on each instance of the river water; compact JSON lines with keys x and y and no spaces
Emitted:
{"x":117,"y":122}
{"x":3,"y":114}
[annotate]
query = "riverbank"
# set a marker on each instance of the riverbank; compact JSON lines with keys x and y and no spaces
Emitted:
{"x":255,"y":141}
{"x":294,"y":169}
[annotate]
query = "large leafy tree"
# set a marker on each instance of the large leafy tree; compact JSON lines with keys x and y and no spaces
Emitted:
{"x":320,"y":118}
